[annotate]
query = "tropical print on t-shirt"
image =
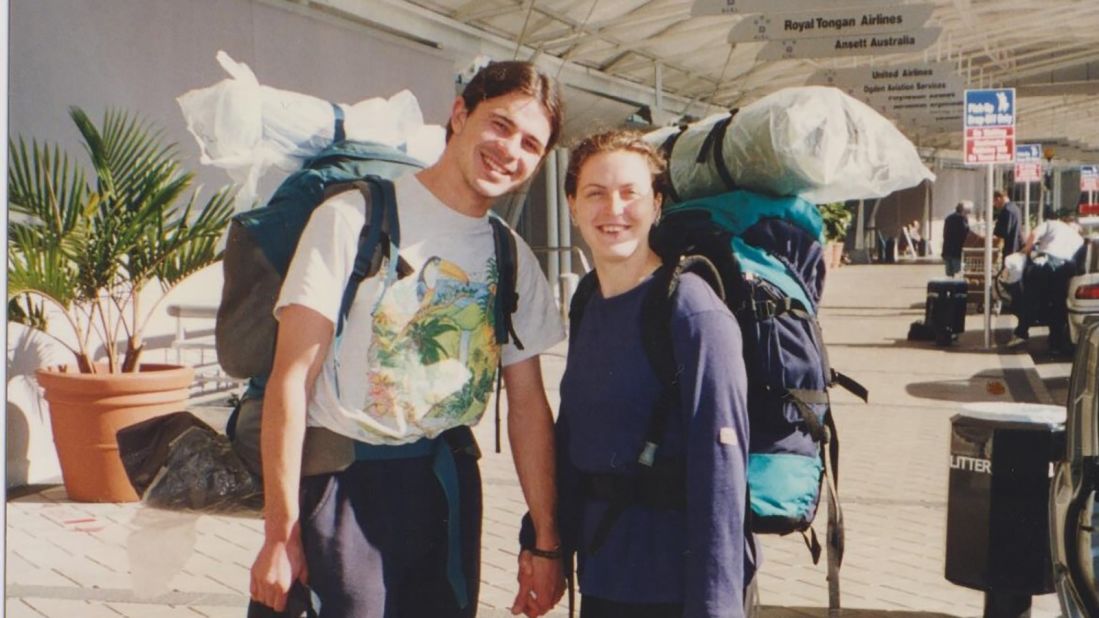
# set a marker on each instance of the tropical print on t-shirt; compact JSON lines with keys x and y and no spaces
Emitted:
{"x":433,"y":355}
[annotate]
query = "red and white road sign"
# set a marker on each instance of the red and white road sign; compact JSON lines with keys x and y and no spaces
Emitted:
{"x":1089,"y":178}
{"x":990,"y":145}
{"x":1028,"y":172}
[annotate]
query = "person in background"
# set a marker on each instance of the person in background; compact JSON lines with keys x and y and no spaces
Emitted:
{"x":919,"y":243}
{"x":1055,"y":243}
{"x":1008,"y":233}
{"x":955,"y":231}
{"x":689,"y":559}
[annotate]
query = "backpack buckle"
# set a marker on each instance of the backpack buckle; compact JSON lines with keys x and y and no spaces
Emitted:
{"x":765,"y":310}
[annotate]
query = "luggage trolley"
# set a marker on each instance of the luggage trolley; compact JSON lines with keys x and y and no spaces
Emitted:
{"x":973,"y":271}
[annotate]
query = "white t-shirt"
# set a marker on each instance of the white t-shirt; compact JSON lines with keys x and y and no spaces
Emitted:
{"x":425,"y":362}
{"x":1057,"y":238}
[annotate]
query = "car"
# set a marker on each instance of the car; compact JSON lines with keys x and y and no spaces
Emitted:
{"x":1074,"y":516}
{"x":1083,"y":290}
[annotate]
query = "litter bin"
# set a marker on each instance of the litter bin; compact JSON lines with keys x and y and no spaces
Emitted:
{"x":997,"y":522}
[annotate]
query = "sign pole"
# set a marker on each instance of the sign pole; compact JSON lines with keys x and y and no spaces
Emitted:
{"x":1026,"y":208}
{"x":989,"y":129}
{"x":988,"y":257}
{"x":1028,"y":169}
{"x":1041,"y":201}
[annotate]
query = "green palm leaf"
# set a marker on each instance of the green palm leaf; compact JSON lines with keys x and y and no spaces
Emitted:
{"x":78,"y":244}
{"x":44,"y":186}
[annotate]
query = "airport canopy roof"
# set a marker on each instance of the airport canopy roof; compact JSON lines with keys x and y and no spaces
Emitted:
{"x":1048,"y":50}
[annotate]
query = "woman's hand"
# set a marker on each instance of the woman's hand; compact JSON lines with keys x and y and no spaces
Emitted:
{"x":541,"y":585}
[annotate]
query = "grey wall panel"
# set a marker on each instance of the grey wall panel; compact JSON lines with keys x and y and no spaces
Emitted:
{"x":141,"y":54}
{"x":953,"y":185}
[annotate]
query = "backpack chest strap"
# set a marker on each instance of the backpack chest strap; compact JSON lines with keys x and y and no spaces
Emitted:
{"x":661,"y":486}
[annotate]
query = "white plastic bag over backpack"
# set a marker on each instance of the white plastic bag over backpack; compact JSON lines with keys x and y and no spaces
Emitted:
{"x":1014,"y":265}
{"x":814,"y":142}
{"x":245,"y":128}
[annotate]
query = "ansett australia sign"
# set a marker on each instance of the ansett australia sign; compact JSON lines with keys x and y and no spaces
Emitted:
{"x":916,"y":40}
{"x":830,"y":23}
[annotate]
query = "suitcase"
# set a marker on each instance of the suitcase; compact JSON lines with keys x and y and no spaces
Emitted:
{"x":944,"y":313}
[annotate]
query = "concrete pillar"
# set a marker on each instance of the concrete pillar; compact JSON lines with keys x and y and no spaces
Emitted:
{"x":553,"y":270}
{"x":564,"y":225}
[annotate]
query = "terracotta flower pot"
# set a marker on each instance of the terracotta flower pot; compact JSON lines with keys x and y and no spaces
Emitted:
{"x":834,"y":253}
{"x":87,"y":410}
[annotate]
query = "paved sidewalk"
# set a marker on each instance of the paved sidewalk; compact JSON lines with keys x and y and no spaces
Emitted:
{"x":66,"y":559}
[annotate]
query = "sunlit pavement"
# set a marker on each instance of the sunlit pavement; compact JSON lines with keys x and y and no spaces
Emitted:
{"x":87,"y":560}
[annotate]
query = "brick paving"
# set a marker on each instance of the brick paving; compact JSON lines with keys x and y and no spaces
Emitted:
{"x":68,"y":559}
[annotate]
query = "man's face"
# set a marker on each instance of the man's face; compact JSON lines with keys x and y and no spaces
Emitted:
{"x":998,"y":201}
{"x":499,"y":144}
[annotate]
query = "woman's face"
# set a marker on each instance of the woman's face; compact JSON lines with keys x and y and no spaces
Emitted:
{"x":614,"y":206}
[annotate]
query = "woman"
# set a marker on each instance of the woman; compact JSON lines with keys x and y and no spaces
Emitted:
{"x":659,"y":558}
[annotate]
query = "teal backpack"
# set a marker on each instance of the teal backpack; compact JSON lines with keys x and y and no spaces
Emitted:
{"x":763,"y":256}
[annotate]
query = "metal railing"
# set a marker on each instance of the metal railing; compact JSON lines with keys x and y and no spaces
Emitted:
{"x":566,"y":282}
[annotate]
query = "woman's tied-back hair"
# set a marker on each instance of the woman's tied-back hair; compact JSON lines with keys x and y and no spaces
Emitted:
{"x":503,"y":78}
{"x":616,"y":140}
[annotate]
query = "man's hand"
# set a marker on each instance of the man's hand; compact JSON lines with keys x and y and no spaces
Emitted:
{"x":541,"y":585}
{"x":277,"y":565}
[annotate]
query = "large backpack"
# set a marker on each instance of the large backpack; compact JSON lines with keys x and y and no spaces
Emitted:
{"x":258,"y":252}
{"x":768,"y":259}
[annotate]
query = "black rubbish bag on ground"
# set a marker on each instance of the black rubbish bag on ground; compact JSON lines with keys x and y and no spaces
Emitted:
{"x":918,"y":331}
{"x":178,"y":462}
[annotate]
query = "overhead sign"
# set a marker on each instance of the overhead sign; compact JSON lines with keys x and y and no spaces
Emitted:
{"x":916,"y":111}
{"x":735,"y":7}
{"x":1028,"y":163}
{"x":1089,"y":178}
{"x":903,"y":91}
{"x":914,"y":41}
{"x":830,"y":23}
{"x":941,"y":95}
{"x":930,"y":72}
{"x":917,"y":90}
{"x":989,"y":125}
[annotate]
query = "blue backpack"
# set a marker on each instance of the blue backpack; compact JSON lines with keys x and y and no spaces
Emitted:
{"x":262,"y":242}
{"x":763,"y":256}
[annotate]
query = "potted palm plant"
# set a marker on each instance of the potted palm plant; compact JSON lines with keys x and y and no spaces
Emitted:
{"x":836,"y":218}
{"x":87,"y":251}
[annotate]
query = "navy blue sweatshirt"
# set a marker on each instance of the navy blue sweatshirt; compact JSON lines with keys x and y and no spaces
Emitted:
{"x":695,"y":557}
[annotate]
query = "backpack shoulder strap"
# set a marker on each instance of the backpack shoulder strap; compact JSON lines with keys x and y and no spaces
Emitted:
{"x":584,"y":289}
{"x":656,"y":338}
{"x":381,"y":223}
{"x":507,"y":292}
{"x":507,"y":300}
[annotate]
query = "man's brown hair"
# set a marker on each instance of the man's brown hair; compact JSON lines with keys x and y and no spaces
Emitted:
{"x":503,"y":78}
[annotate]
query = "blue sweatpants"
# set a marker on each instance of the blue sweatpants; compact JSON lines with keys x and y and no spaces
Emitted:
{"x":376,"y":543}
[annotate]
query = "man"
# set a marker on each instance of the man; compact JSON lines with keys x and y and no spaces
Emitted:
{"x":1046,"y":280}
{"x":955,"y":231}
{"x":1009,"y":225}
{"x":395,"y":531}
